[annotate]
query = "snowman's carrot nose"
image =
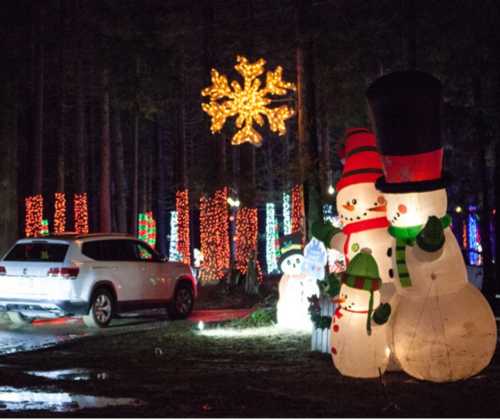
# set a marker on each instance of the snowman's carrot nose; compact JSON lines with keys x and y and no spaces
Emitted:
{"x":348,"y":206}
{"x":380,"y":208}
{"x":338,"y":300}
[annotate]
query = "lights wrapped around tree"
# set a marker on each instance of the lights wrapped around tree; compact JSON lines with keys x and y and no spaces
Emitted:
{"x":248,"y":103}
{"x":297,"y":208}
{"x":473,"y":238}
{"x":182,"y":206}
{"x":271,"y":262}
{"x":45,"y":228}
{"x":173,"y":253}
{"x":33,"y":215}
{"x":81,"y":213}
{"x":146,"y":230}
{"x":59,"y":212}
{"x":287,"y":214}
{"x":214,"y":236}
{"x":246,"y":240}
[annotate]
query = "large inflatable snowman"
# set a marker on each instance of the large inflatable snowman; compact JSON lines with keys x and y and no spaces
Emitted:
{"x":359,"y":341}
{"x":443,"y":327}
{"x":362,"y":209}
{"x":295,"y":286}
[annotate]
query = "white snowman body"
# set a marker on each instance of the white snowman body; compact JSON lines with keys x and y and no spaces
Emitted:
{"x":355,"y":353}
{"x":443,"y":328}
{"x":294,"y":289}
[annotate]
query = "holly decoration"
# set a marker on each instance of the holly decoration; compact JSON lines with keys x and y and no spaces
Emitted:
{"x":324,"y":231}
{"x":328,"y":287}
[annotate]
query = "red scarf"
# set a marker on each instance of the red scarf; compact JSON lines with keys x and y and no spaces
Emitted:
{"x":380,"y":222}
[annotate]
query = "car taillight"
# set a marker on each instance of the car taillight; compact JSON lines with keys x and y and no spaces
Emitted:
{"x":3,"y":271}
{"x":70,"y":273}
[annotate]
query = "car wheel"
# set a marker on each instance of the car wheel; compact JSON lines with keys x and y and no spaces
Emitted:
{"x":18,"y":319}
{"x":182,"y":304}
{"x":101,"y":309}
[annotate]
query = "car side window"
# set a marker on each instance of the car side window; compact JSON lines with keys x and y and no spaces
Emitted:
{"x":92,"y":250}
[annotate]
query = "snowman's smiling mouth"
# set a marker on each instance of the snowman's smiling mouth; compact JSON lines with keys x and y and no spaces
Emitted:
{"x":348,"y":309}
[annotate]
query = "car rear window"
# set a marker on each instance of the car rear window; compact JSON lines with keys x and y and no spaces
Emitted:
{"x":38,"y":252}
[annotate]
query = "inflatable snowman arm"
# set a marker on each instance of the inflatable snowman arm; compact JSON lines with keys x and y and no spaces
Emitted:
{"x":431,"y":238}
{"x":382,"y":313}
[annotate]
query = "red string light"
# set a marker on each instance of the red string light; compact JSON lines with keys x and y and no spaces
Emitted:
{"x":297,"y":208}
{"x":214,"y":235}
{"x":33,"y":215}
{"x":59,"y":213}
{"x":182,"y":206}
{"x":246,"y":240}
{"x":81,"y":213}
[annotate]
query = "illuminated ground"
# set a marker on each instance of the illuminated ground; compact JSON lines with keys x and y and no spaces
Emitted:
{"x":178,"y":371}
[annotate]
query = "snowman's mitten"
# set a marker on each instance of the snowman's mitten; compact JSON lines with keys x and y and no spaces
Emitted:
{"x":382,"y":313}
{"x":332,"y":287}
{"x":431,"y":238}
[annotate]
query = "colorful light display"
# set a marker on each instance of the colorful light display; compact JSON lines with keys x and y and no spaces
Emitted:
{"x":246,"y":239}
{"x":473,"y":238}
{"x":146,"y":230}
{"x":45,"y":228}
{"x":173,"y":253}
{"x":182,"y":206}
{"x":33,"y":215}
{"x":297,"y":208}
{"x":287,"y":214}
{"x":214,"y":236}
{"x":59,"y":212}
{"x":271,"y":262}
{"x":248,"y":103}
{"x":81,"y":213}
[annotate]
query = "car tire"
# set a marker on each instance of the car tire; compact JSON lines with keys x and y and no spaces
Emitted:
{"x":18,"y":319}
{"x":182,"y":304}
{"x":102,"y":309}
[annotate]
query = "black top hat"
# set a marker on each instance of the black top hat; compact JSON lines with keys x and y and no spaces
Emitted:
{"x":405,"y":112}
{"x":291,"y":244}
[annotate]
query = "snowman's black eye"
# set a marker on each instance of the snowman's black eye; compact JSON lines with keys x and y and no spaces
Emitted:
{"x":289,"y":262}
{"x":297,"y":260}
{"x":354,"y":202}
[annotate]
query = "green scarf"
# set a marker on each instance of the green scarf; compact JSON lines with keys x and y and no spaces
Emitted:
{"x":405,"y":236}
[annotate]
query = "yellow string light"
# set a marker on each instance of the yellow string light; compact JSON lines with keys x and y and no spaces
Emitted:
{"x":59,"y":213}
{"x":182,"y":206}
{"x":81,"y":213}
{"x":33,"y":216}
{"x":214,"y":235}
{"x":248,"y":103}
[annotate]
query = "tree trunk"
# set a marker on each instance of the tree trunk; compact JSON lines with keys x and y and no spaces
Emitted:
{"x":61,"y":140}
{"x":38,"y":123}
{"x":120,"y":175}
{"x":81,"y":155}
{"x":9,"y":163}
{"x":135,"y":182}
{"x":162,"y":213}
{"x":307,"y":136}
{"x":411,"y":34}
{"x":105,"y":181}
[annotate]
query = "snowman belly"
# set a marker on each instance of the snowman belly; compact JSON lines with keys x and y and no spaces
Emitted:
{"x":444,"y":337}
{"x":354,"y":352}
{"x":293,"y":304}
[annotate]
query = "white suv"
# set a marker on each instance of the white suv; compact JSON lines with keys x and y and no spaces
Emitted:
{"x":97,"y":276}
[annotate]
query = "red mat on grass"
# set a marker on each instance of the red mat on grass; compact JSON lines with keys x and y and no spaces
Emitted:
{"x":218,"y":315}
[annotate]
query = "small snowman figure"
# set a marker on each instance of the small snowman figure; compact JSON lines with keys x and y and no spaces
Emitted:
{"x":443,"y":328}
{"x":294,"y":286}
{"x":359,"y":341}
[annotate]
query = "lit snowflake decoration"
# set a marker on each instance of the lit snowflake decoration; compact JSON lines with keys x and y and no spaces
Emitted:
{"x":250,"y":103}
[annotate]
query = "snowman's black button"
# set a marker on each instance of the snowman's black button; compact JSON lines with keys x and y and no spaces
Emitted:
{"x":389,"y":252}
{"x":391,"y":273}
